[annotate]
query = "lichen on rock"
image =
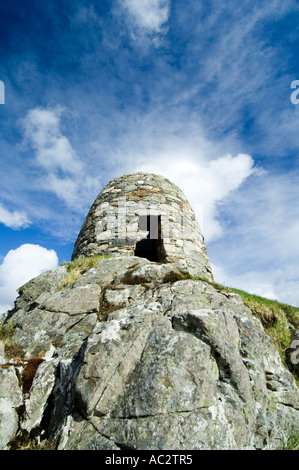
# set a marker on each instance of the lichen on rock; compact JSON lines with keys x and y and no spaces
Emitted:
{"x":136,"y":354}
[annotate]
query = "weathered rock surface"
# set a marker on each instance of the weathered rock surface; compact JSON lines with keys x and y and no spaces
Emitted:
{"x":136,"y":356}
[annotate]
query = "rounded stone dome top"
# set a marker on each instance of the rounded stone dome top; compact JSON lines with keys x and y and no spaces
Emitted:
{"x":144,"y":214}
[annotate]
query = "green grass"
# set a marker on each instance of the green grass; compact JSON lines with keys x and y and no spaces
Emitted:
{"x":292,"y":442}
{"x":78,"y":267}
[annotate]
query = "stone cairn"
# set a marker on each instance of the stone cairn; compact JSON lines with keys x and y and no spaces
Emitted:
{"x":145,"y":215}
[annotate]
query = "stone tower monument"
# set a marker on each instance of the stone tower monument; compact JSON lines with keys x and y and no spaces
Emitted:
{"x":145,"y":215}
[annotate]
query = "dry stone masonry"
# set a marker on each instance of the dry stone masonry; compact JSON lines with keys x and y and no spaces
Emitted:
{"x":145,"y":215}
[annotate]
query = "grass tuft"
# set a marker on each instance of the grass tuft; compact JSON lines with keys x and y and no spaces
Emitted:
{"x":12,"y":350}
{"x":292,"y":443}
{"x":78,"y":267}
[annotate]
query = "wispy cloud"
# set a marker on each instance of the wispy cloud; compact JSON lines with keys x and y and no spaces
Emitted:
{"x":147,"y":17}
{"x":63,"y":170}
{"x":84,"y":15}
{"x":244,"y":65}
{"x":53,"y":150}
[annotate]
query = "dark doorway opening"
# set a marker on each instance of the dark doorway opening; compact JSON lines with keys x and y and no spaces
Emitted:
{"x":151,"y":247}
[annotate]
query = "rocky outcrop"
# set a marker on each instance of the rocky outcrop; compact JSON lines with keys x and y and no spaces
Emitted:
{"x":137,"y":355}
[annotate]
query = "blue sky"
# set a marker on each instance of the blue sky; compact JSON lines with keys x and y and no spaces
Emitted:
{"x":198,"y":91}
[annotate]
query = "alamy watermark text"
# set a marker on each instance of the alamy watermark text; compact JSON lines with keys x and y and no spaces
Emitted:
{"x":295,"y":354}
{"x":294,"y":96}
{"x":2,"y":92}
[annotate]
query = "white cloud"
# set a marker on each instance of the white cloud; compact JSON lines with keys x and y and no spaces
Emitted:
{"x":205,"y":183}
{"x":21,"y":265}
{"x":15,"y":219}
{"x":148,"y":16}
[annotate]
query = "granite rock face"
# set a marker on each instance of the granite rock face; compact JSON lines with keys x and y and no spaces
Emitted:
{"x":136,"y":355}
